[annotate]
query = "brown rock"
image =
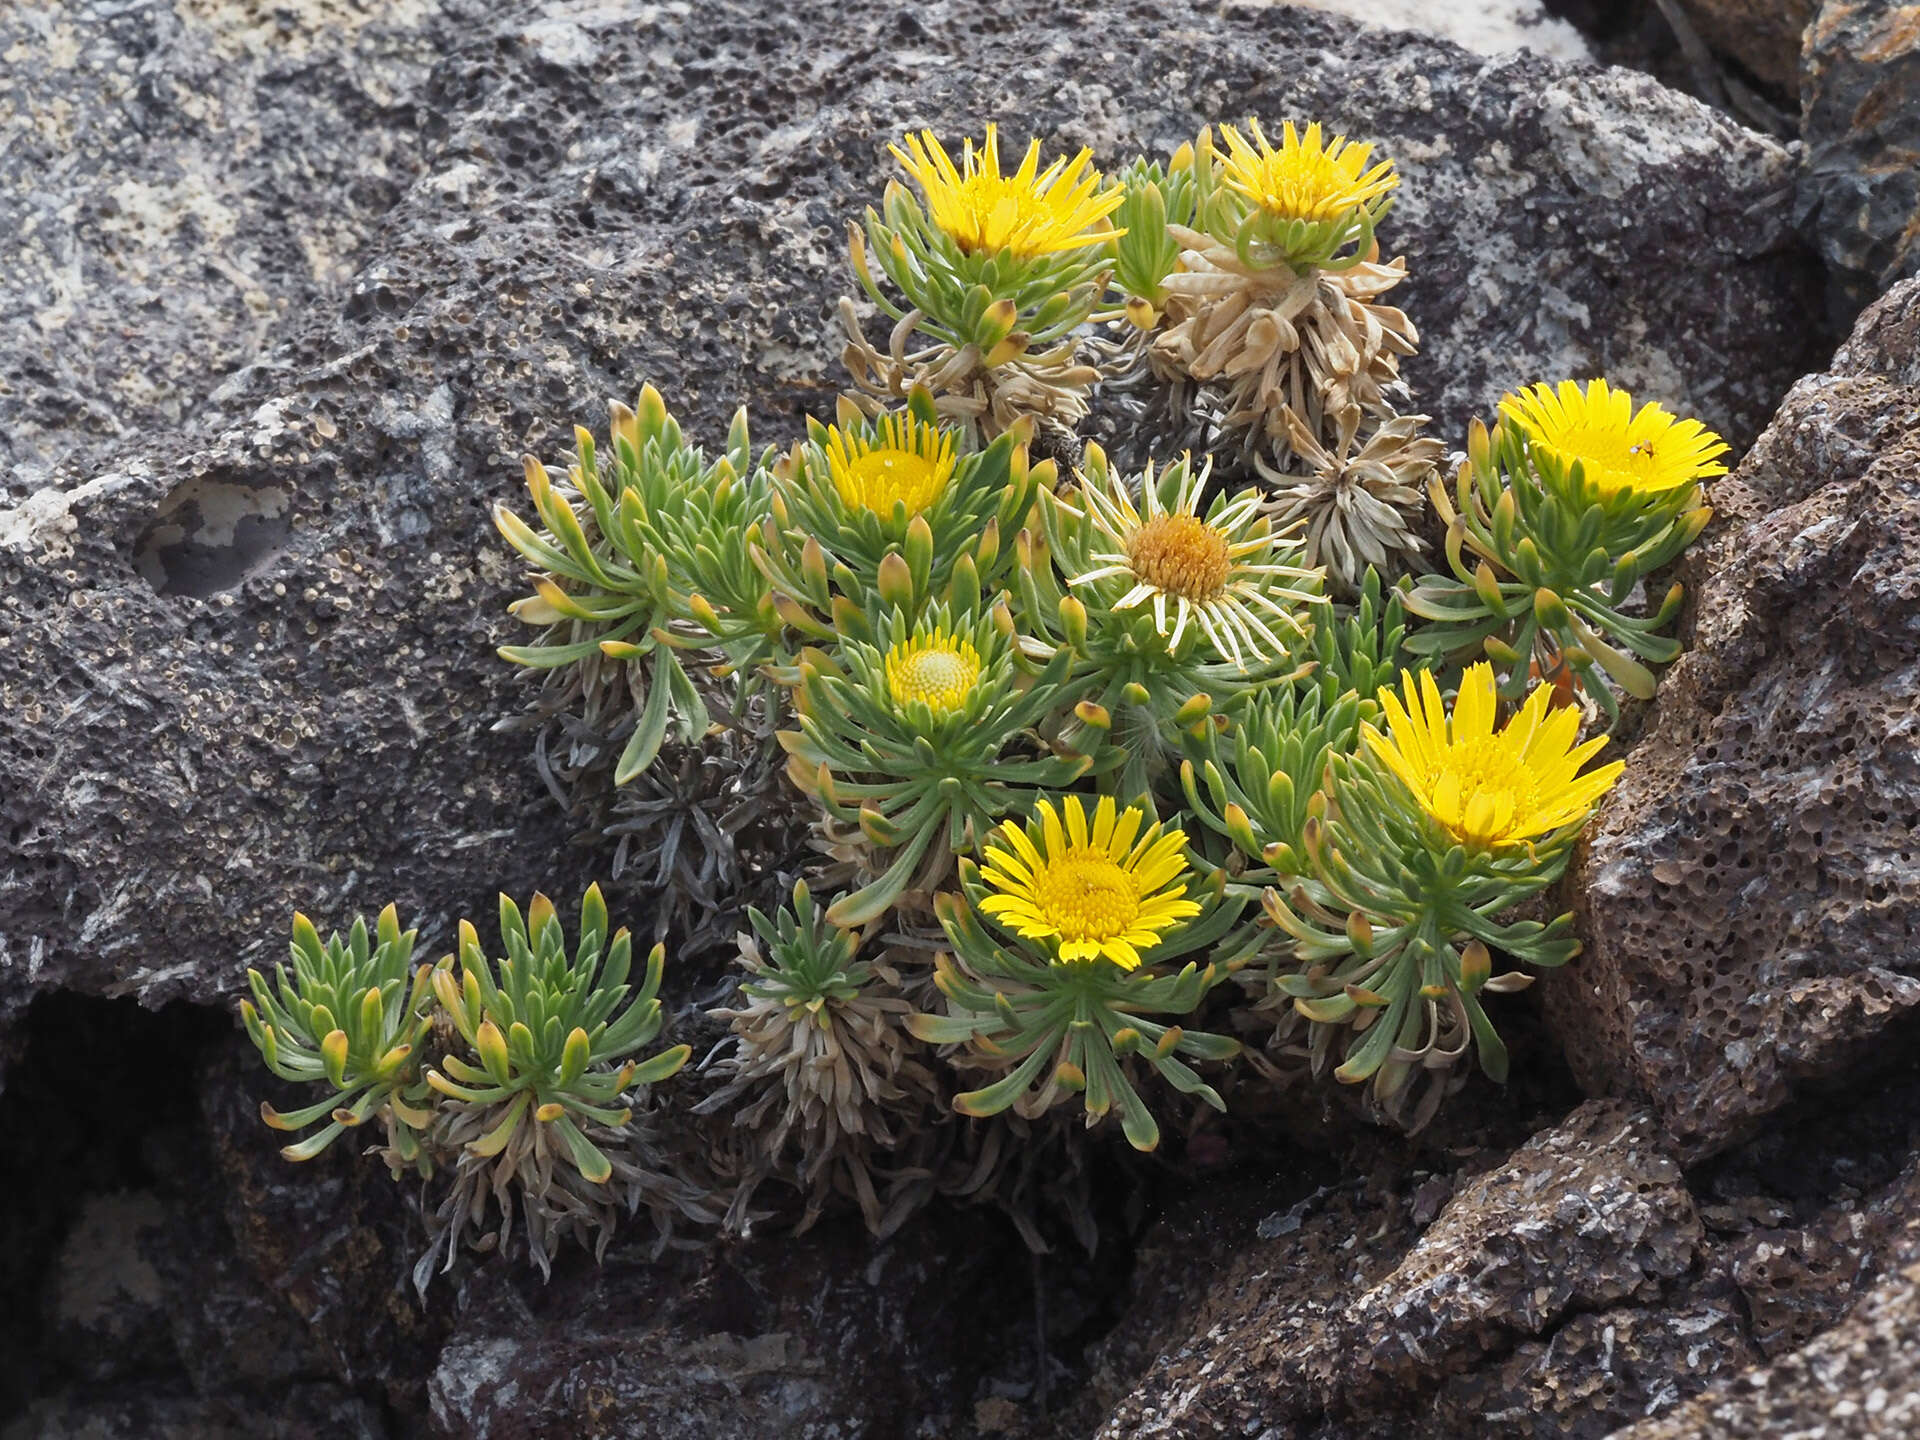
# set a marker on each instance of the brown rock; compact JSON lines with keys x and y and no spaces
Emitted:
{"x":1348,"y":1317}
{"x":1763,"y":35}
{"x":1749,"y":892}
{"x":1860,"y":188}
{"x":1860,"y":1379}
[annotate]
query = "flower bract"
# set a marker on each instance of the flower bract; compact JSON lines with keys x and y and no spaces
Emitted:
{"x":899,"y":484}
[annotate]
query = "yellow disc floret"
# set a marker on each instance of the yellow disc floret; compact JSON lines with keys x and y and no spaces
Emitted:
{"x":1647,"y":453}
{"x":1029,"y":213}
{"x":1305,"y":179}
{"x":938,"y":670}
{"x":1099,"y":892}
{"x":904,"y":461}
{"x":1489,"y":787}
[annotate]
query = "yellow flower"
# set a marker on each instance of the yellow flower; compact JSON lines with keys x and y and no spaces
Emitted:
{"x":1304,"y":179}
{"x":1488,"y":787}
{"x":1212,"y":572}
{"x":1030,"y":213}
{"x":938,"y":670}
{"x":1101,"y":893}
{"x":906,"y":461}
{"x":1647,"y":453}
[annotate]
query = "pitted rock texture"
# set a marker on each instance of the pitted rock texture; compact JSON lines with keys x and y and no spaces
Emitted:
{"x":1763,"y":35}
{"x":249,"y":667}
{"x":1353,"y":1320}
{"x":180,"y":182}
{"x":1749,"y":891}
{"x":1860,"y":192}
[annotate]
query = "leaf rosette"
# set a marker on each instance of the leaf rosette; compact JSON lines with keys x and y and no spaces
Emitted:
{"x":1557,"y":518}
{"x":551,"y":1038}
{"x":996,"y":271}
{"x":646,"y":554}
{"x":351,"y":1015}
{"x":921,"y":735}
{"x":1087,"y":916}
{"x":1168,"y":609}
{"x":1421,"y":841}
{"x":899,"y":485}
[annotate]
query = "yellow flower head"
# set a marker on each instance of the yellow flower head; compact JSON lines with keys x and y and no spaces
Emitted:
{"x":1029,"y":213}
{"x":905,"y":461}
{"x":938,"y":669}
{"x":1218,"y":572}
{"x":1305,"y":179}
{"x":1648,"y":453}
{"x":1488,"y":787}
{"x":1098,"y":892}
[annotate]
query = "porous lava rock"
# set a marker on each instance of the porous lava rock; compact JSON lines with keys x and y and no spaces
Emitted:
{"x":247,"y":665}
{"x":1568,"y":1287}
{"x":1749,"y":892}
{"x":1860,"y":121}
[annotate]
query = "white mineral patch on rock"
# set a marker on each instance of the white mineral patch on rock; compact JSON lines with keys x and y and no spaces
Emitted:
{"x":1491,"y":27}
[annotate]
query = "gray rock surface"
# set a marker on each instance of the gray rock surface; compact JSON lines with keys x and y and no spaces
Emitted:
{"x":1749,"y":892}
{"x":1860,"y":1379}
{"x":181,"y":184}
{"x":1569,"y":1288}
{"x":247,"y":665}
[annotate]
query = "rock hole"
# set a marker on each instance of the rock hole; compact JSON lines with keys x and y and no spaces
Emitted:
{"x":210,"y":536}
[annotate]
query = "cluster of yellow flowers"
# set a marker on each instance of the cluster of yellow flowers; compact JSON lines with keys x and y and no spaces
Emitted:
{"x":1091,"y":761}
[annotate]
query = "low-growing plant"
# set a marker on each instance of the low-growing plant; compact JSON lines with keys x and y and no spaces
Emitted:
{"x":537,"y":1109}
{"x":528,"y":1096}
{"x":1089,"y":909}
{"x":352,"y":1016}
{"x":915,"y":735}
{"x":647,"y":556}
{"x":1422,"y":840}
{"x":998,"y":272}
{"x":818,"y":1059}
{"x":1568,"y":506}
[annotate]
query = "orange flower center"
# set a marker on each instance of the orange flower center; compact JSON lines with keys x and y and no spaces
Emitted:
{"x":1182,"y":555}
